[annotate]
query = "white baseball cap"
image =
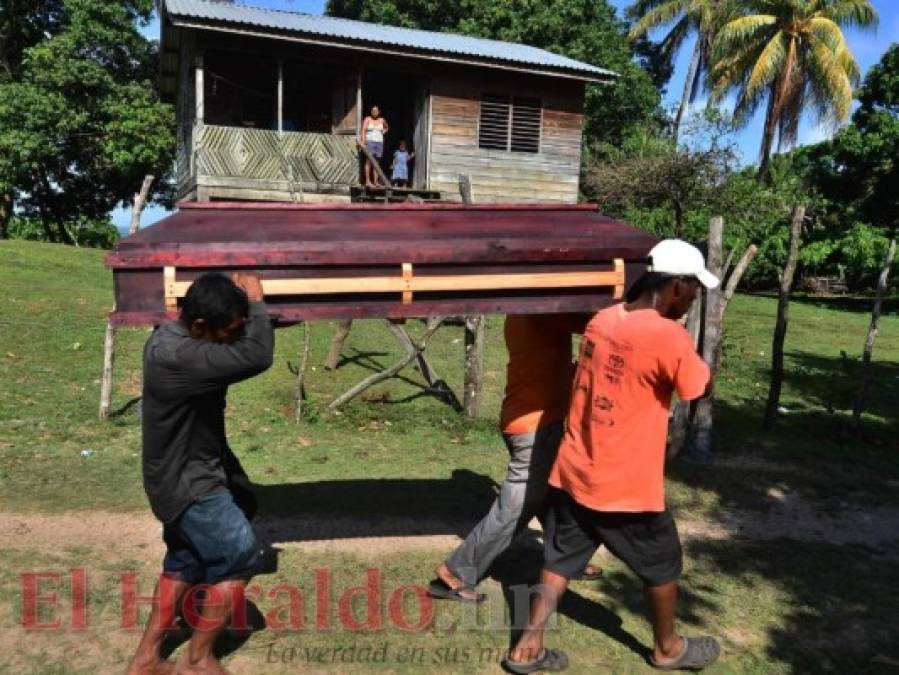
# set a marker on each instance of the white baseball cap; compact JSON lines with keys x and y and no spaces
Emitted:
{"x":680,"y":259}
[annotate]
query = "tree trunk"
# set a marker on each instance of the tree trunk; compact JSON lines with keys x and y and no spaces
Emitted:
{"x":711,"y":341}
{"x":861,"y":396}
{"x":780,"y":90}
{"x":689,"y":85}
{"x":6,"y":211}
{"x":343,"y":330}
{"x":140,"y":201}
{"x":780,"y":327}
{"x":474,"y":364}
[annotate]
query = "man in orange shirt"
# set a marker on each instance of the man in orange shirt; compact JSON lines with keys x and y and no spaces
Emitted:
{"x":607,"y":483}
{"x":538,"y":387}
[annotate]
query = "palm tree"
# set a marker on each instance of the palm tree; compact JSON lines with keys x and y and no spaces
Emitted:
{"x":689,"y":16}
{"x":790,"y":55}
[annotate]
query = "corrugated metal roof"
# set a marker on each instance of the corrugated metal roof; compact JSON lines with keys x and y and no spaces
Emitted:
{"x":346,"y":30}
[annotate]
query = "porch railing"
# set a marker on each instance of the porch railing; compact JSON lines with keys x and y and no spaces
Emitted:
{"x":263,"y":155}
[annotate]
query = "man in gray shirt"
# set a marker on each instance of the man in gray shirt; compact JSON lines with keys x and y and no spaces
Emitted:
{"x":195,"y":484}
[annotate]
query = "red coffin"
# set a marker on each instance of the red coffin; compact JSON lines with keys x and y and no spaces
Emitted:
{"x":326,"y":261}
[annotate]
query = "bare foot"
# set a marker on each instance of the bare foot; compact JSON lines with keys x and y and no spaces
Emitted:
{"x":150,"y":666}
{"x":454,"y":582}
{"x":207,"y":666}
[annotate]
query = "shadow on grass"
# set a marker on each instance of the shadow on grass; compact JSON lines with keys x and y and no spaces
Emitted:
{"x":374,"y":508}
{"x":833,"y":607}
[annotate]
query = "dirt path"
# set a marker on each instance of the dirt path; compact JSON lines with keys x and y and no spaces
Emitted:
{"x":791,"y":517}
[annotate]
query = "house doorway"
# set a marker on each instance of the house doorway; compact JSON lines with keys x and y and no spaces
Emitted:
{"x":403,"y":103}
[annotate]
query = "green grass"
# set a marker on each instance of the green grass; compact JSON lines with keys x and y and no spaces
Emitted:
{"x":51,"y":334}
{"x":780,"y":606}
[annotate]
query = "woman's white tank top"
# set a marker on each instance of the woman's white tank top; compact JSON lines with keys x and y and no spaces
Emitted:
{"x":375,"y":130}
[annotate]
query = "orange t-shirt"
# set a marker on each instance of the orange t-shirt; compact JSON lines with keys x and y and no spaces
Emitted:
{"x":612,"y":456}
{"x":538,"y":377}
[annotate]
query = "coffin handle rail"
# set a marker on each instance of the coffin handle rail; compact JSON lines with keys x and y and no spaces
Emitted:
{"x":407,"y":284}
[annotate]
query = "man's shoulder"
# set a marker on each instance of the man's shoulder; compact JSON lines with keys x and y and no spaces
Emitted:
{"x":647,"y":324}
{"x":164,"y":343}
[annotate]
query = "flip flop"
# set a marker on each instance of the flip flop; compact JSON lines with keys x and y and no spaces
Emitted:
{"x":552,"y":660}
{"x":588,"y":575}
{"x":438,"y":588}
{"x":698,"y":653}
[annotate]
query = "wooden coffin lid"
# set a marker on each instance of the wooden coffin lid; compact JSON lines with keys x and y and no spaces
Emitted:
{"x":223,"y":234}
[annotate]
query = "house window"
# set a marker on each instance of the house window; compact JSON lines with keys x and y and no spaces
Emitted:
{"x":241,"y":90}
{"x":510,"y":123}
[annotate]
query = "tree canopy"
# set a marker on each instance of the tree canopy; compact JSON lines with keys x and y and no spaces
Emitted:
{"x":790,"y":56}
{"x":700,"y":17}
{"x":80,"y":118}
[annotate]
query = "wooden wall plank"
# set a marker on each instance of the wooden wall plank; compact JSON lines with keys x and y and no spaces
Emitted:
{"x":499,"y":176}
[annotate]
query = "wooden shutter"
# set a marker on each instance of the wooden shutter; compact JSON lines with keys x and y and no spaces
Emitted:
{"x":494,"y":126}
{"x":527,"y":119}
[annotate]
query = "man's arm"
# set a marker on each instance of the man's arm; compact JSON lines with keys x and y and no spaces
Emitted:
{"x":690,"y":374}
{"x":211,"y":365}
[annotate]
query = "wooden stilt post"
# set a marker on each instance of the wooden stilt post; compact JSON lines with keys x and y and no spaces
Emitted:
{"x":108,"y":364}
{"x":401,"y":336}
{"x":433,"y":324}
{"x":343,"y":330}
{"x":474,"y":337}
{"x":300,"y":391}
{"x":474,"y":363}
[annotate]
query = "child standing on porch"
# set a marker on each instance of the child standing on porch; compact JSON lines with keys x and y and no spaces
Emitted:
{"x":400,"y":166}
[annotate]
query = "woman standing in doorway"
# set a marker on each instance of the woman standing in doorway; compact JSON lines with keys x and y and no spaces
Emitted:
{"x":374,"y":127}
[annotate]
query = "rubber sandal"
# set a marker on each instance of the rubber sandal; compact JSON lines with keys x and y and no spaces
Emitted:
{"x":552,"y":660}
{"x":587,"y":575}
{"x":698,"y":653}
{"x":438,"y":588}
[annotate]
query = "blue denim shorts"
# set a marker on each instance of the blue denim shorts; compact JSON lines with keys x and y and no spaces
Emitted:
{"x":376,"y":148}
{"x":211,"y":541}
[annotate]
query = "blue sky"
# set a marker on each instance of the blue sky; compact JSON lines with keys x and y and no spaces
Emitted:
{"x":867,"y":46}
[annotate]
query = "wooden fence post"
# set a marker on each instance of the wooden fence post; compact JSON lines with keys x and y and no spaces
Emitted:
{"x":861,"y":396}
{"x":711,"y":340}
{"x":108,"y":365}
{"x":780,"y":327}
{"x":683,"y":411}
{"x":140,"y":201}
